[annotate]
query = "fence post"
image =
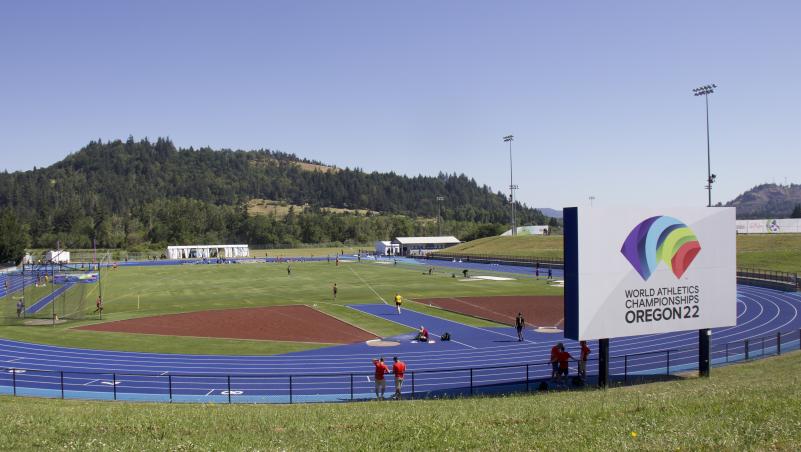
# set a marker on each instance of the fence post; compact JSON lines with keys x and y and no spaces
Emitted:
{"x":290,"y":389}
{"x":471,"y":381}
{"x":625,"y":368}
{"x":412,"y":384}
{"x":62,"y":384}
{"x":668,"y":363}
{"x":169,"y":383}
{"x":746,"y":349}
{"x":527,"y":385}
{"x":778,"y":342}
{"x":727,"y":352}
{"x":763,"y":346}
{"x":114,"y":382}
{"x":14,"y":380}
{"x":351,"y":386}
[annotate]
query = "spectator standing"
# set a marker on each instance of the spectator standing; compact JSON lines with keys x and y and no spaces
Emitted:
{"x":398,"y":369}
{"x":582,"y":365}
{"x":334,"y":289}
{"x":381,"y":369}
{"x":555,"y":359}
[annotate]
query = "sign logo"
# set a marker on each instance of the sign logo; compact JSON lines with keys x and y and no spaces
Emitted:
{"x":660,"y":238}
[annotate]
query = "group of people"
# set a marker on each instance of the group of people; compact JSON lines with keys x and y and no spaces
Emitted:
{"x":560,"y":359}
{"x":381,"y":370}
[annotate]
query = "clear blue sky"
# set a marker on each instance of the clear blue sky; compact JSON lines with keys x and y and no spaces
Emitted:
{"x":597,"y":94}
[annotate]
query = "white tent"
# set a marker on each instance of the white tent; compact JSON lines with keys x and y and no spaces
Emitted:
{"x":207,"y":251}
{"x":58,"y":256}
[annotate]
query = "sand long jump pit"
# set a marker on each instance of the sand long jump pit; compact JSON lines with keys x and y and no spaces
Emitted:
{"x":296,"y":323}
{"x":540,"y":311}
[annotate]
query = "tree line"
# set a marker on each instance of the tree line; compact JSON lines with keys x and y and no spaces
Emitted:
{"x":139,"y":194}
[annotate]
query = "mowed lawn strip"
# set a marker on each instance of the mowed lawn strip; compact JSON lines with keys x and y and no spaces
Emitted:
{"x":752,"y":406}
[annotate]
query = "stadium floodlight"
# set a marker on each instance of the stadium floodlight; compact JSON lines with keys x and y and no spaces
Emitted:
{"x":705,"y":91}
{"x":512,"y":187}
{"x":439,"y":213}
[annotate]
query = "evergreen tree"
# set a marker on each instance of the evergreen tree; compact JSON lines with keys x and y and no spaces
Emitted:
{"x":13,"y":238}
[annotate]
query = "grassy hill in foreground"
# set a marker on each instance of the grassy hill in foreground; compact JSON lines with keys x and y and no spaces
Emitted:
{"x":781,"y":252}
{"x":742,"y":407}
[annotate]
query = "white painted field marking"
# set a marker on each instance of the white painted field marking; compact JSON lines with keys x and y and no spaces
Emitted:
{"x":13,"y":360}
{"x":110,"y":383}
{"x":16,"y":371}
{"x":210,"y":391}
{"x":232,"y":392}
{"x":368,"y":285}
{"x":89,"y":382}
{"x":165,"y":372}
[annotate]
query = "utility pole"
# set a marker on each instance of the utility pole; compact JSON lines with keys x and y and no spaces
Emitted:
{"x":439,"y":213}
{"x":705,"y":91}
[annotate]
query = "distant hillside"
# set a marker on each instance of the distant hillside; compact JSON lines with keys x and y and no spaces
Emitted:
{"x":767,"y":201}
{"x":141,"y":192}
{"x":553,"y":213}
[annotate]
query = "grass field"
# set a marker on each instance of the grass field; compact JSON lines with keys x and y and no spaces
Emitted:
{"x":130,"y":292}
{"x":780,"y":252}
{"x":752,"y":406}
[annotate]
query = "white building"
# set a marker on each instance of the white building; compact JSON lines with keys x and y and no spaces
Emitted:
{"x":386,"y":248}
{"x":417,"y":246}
{"x":207,"y":251}
{"x":58,"y":256}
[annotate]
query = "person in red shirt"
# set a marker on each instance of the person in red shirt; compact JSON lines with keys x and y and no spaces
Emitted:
{"x":398,"y":369}
{"x":582,"y":366}
{"x":381,"y":369}
{"x":563,"y":359}
{"x":554,"y":359}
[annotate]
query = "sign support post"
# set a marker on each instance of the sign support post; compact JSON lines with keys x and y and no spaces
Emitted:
{"x":704,"y":340}
{"x":603,"y":363}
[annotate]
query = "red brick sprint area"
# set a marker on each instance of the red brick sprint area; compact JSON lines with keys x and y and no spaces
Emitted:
{"x":538,"y":311}
{"x":277,"y":323}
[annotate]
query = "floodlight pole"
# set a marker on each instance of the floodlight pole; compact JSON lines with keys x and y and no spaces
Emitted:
{"x":439,"y":213}
{"x":512,"y":186}
{"x":705,"y":334}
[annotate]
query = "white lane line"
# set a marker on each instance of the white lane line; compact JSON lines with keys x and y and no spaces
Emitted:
{"x":13,"y":360}
{"x":165,"y":372}
{"x":208,"y":393}
{"x":90,"y":382}
{"x":368,"y":285}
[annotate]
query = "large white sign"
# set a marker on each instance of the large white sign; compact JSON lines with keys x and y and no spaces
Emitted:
{"x":647,"y":270}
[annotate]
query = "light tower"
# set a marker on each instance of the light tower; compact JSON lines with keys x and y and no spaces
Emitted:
{"x":705,"y":91}
{"x":439,"y":213}
{"x":512,"y":186}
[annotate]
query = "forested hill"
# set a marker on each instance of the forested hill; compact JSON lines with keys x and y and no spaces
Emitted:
{"x":769,"y":201}
{"x":138,"y":187}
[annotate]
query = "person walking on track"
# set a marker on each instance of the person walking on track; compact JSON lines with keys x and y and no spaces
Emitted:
{"x":520,"y":323}
{"x":398,"y":369}
{"x":381,"y":369}
{"x":398,"y":302}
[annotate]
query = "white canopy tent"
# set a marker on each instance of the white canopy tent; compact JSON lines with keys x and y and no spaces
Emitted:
{"x":207,"y":251}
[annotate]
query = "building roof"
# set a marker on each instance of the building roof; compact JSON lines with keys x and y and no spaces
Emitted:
{"x":446,"y":239}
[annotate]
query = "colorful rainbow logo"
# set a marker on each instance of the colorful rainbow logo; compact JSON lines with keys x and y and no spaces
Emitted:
{"x":657,"y":239}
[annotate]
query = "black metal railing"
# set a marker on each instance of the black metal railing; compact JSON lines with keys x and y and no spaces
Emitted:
{"x":524,"y":261}
{"x":768,"y":278}
{"x":338,"y":387}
